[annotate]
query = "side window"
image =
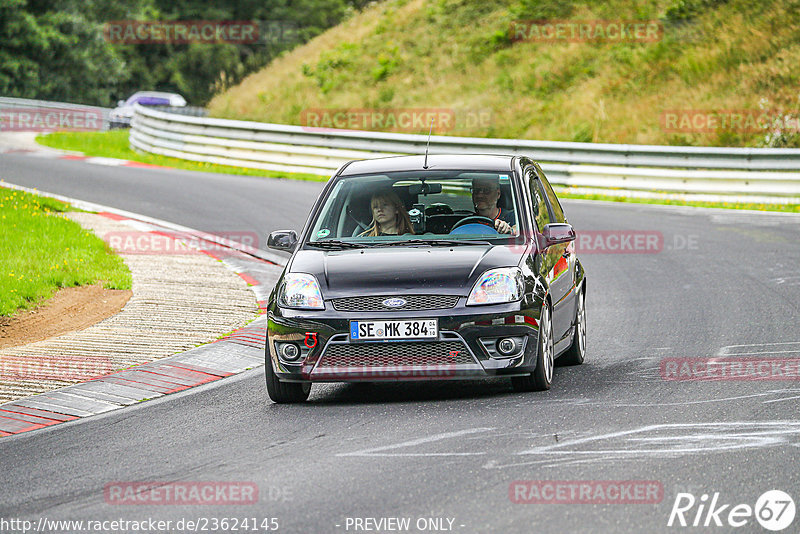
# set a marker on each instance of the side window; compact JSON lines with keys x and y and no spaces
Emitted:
{"x":558,"y":213}
{"x":543,"y":217}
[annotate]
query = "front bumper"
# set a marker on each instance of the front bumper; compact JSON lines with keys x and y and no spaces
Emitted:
{"x":463,"y":349}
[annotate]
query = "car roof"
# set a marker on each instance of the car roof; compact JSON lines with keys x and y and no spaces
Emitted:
{"x":174,"y":99}
{"x":154,"y":93}
{"x":472,"y":162}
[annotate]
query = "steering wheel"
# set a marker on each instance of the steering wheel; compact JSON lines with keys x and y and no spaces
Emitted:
{"x":474,"y":219}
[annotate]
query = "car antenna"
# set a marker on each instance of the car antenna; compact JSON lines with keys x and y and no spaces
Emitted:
{"x":425,"y":165}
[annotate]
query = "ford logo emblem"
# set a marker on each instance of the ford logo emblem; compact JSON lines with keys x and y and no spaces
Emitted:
{"x":394,"y":303}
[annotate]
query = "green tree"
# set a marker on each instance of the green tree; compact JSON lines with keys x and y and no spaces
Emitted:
{"x":55,"y":50}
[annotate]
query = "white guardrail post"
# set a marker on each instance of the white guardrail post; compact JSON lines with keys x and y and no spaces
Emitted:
{"x":735,"y":174}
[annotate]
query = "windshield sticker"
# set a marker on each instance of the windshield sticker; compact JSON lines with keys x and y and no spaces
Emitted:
{"x":323,"y":233}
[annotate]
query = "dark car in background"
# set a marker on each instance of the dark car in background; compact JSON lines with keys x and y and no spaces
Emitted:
{"x":413,"y":268}
{"x":120,"y":117}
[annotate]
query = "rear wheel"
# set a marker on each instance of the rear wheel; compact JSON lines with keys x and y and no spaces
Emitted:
{"x":577,"y":352}
{"x":285,"y":392}
{"x":542,"y":377}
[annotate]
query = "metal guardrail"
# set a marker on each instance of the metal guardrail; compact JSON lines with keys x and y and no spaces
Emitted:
{"x":11,"y":102}
{"x":750,"y":173}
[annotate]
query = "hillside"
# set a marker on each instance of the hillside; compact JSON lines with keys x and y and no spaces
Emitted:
{"x":715,"y":57}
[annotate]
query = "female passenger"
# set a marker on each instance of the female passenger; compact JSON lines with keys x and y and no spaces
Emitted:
{"x":389,"y":215}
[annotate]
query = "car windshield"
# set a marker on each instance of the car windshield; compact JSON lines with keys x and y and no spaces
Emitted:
{"x":426,"y":207}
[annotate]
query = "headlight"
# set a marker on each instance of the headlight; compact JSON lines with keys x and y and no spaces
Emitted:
{"x":497,"y":286}
{"x":300,"y":290}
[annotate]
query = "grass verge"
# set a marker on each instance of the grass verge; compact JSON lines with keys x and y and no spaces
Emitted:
{"x":714,"y":58}
{"x":785,"y":208}
{"x":114,"y":144}
{"x":41,"y":251}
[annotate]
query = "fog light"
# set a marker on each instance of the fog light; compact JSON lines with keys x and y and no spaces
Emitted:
{"x":289,"y":351}
{"x":507,"y":346}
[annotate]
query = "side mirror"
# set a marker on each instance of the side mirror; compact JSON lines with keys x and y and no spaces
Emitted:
{"x":556,"y":233}
{"x":284,"y":240}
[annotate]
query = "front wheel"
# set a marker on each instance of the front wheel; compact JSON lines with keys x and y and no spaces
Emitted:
{"x":542,"y":377}
{"x":285,"y":392}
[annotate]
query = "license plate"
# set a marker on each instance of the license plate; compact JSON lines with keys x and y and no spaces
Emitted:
{"x":369,"y":330}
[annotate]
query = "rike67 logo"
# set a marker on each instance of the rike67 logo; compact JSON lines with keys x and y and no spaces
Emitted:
{"x":774,"y":510}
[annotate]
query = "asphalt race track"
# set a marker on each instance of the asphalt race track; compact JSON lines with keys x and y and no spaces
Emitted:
{"x":721,"y":284}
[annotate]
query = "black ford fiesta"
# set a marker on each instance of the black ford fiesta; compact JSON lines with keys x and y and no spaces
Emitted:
{"x":427,"y":269}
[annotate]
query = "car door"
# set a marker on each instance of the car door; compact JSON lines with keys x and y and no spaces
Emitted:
{"x":559,"y":259}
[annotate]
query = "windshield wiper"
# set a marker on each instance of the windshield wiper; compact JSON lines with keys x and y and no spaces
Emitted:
{"x":435,"y":242}
{"x":336,"y":244}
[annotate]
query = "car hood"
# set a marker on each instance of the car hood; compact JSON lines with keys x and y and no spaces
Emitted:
{"x":399,"y":270}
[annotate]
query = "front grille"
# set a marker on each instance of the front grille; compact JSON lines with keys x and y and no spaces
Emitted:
{"x":395,"y":354}
{"x":413,"y":302}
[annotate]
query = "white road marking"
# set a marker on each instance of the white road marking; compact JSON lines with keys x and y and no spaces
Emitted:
{"x":111,"y":162}
{"x":704,"y":401}
{"x":672,"y":445}
{"x":794,"y":280}
{"x":726,"y":350}
{"x":781,"y":400}
{"x":767,"y":353}
{"x":377,"y":451}
{"x":139,"y":225}
{"x":788,"y":426}
{"x":679,"y":440}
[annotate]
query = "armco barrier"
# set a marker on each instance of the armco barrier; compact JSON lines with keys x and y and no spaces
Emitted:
{"x":730,"y":173}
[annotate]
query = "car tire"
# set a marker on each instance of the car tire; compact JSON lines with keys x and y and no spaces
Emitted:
{"x":577,"y":352}
{"x":542,"y":377}
{"x":285,"y":392}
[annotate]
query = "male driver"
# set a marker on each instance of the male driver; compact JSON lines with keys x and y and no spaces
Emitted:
{"x":485,"y":195}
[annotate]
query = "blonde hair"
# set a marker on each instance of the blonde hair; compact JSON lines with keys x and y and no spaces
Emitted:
{"x":402,"y":223}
